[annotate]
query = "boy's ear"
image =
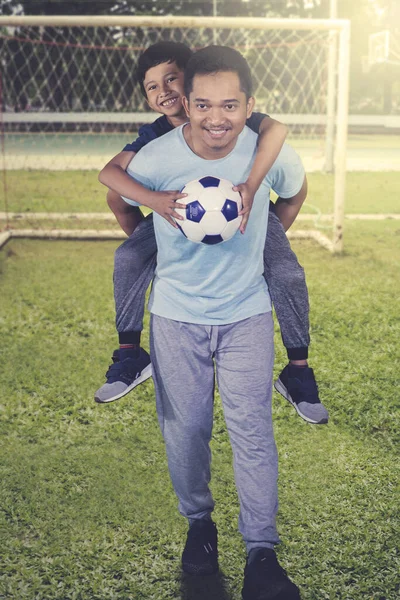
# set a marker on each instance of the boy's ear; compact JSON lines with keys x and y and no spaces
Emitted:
{"x":250,"y":105}
{"x":185,"y":103}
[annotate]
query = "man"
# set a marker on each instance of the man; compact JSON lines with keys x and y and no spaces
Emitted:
{"x":160,"y":73}
{"x":211,"y":309}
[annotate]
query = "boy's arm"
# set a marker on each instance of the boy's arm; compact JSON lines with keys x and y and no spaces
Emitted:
{"x":128,"y":216}
{"x":115,"y":177}
{"x":272,"y":135}
{"x":287,"y":209}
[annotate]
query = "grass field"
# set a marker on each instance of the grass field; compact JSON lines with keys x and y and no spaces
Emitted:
{"x":80,"y":191}
{"x":86,"y":507}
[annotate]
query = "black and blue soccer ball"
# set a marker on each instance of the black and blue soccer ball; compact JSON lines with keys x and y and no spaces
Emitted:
{"x":212,"y":210}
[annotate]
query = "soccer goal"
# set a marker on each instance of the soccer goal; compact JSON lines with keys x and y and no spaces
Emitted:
{"x":69,"y":103}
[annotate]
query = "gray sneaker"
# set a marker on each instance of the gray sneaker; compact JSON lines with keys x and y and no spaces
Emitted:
{"x":298,"y":386}
{"x":123,"y":376}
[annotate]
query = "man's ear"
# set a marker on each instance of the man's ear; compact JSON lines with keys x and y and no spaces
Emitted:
{"x":249,"y":107}
{"x":185,"y":103}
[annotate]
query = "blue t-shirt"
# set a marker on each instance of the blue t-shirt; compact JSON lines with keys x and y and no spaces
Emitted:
{"x":223,"y":283}
{"x":160,"y":126}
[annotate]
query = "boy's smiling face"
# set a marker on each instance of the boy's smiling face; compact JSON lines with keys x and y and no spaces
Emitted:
{"x":164,"y":89}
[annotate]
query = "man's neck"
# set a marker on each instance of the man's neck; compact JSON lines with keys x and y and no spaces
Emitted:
{"x":204,"y":151}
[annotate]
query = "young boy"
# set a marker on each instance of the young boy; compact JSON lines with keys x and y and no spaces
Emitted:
{"x":161,"y":76}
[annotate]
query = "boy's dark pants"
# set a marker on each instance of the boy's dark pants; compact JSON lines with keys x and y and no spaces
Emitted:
{"x":135,"y":262}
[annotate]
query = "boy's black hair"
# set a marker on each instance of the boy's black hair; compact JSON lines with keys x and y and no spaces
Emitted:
{"x":214,"y":59}
{"x":162,"y":52}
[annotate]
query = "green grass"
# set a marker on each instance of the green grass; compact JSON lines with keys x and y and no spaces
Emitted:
{"x":80,"y":191}
{"x":86,"y":507}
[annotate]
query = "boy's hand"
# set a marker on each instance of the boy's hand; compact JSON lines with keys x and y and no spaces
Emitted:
{"x":247,"y":192}
{"x":165,"y":203}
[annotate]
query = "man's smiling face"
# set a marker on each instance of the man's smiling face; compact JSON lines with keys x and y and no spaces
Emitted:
{"x":218,"y":109}
{"x":163,"y":85}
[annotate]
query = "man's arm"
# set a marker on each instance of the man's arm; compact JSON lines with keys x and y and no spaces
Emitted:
{"x":287,"y":209}
{"x":272,"y":135}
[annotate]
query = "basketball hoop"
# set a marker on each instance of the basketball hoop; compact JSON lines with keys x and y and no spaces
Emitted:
{"x":378,"y":47}
{"x":383,"y":48}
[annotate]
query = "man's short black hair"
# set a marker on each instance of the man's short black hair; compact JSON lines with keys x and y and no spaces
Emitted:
{"x":214,"y":59}
{"x":162,"y":52}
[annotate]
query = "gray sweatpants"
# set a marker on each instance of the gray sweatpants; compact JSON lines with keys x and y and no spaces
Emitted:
{"x":135,"y":262}
{"x":184,"y":356}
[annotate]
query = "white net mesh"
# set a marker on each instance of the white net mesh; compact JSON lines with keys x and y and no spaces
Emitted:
{"x":69,"y":103}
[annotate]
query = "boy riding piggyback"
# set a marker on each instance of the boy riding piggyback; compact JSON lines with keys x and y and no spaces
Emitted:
{"x":160,"y":74}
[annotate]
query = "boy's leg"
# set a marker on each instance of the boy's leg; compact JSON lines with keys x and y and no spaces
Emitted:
{"x":287,"y":286}
{"x":244,"y":361}
{"x":183,"y":373}
{"x":134,"y":267}
{"x":288,"y":289}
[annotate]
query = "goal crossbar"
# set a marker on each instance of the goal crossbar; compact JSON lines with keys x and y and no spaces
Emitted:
{"x":173,"y":22}
{"x":339,"y":91}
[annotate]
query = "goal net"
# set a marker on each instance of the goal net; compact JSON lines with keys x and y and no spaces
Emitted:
{"x":69,"y":103}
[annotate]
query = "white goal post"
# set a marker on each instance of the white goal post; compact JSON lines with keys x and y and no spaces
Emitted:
{"x":51,"y":85}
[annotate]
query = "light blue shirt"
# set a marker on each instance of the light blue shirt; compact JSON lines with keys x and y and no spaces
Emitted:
{"x":222,"y":283}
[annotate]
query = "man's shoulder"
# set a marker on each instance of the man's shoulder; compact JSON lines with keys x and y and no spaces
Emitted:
{"x":158,"y":154}
{"x":159,"y":127}
{"x":247,"y":137}
{"x":287,"y":157}
{"x":165,"y":140}
{"x":149,"y":132}
{"x":287,"y":173}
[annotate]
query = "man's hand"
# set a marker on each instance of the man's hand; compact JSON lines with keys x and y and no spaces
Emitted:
{"x":164,"y":204}
{"x":247,"y":193}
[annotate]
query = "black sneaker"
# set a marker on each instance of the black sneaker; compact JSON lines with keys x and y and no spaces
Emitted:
{"x":298,"y":385}
{"x":200,"y":556}
{"x":264,"y":579}
{"x":123,"y":376}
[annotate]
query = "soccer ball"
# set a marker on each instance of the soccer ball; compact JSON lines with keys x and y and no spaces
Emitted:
{"x":212,"y":210}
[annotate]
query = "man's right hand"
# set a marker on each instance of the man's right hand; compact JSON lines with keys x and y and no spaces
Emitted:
{"x":164,"y":204}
